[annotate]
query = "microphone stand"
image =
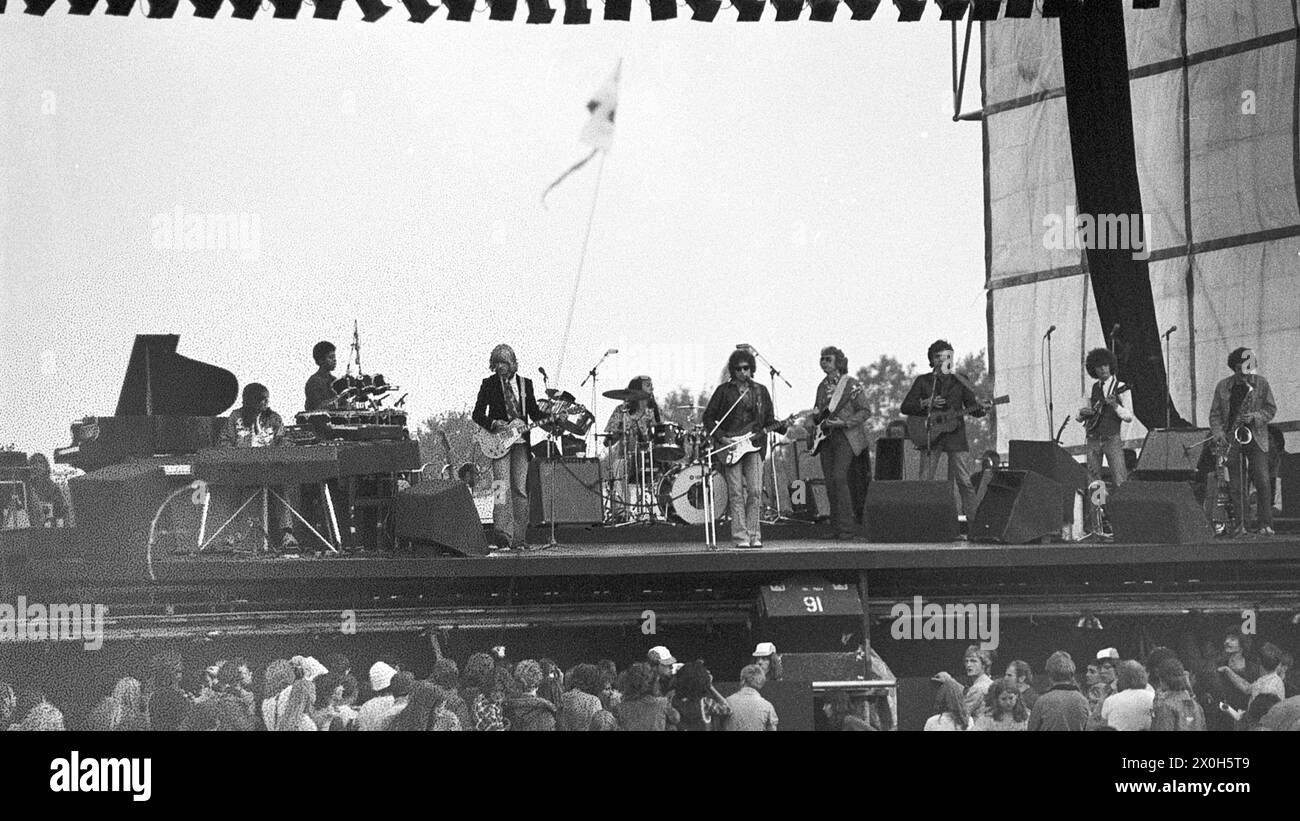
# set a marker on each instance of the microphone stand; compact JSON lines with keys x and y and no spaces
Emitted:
{"x":591,"y":374}
{"x":1051,"y":389}
{"x":1168,"y":396}
{"x":772,"y":375}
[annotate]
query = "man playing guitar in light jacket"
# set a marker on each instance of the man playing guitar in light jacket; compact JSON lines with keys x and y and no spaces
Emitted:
{"x":842,"y":411}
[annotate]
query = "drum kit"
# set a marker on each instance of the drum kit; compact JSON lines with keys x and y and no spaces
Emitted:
{"x":661,"y":470}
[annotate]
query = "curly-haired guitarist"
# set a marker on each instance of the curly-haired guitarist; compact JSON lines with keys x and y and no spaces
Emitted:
{"x":1105,"y":415}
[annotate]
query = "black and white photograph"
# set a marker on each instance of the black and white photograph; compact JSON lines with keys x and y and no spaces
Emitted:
{"x":596,"y":365}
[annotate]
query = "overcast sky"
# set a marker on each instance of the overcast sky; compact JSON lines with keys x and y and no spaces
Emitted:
{"x":785,"y":185}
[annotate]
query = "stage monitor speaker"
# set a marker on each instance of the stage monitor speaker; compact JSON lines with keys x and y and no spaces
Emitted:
{"x":1019,"y":506}
{"x":897,"y":459}
{"x":1157,"y":513}
{"x":1053,"y":461}
{"x":441,"y":512}
{"x":907,"y":511}
{"x":115,"y":507}
{"x":575,"y":486}
{"x":809,"y":615}
{"x":1288,"y":476}
{"x":1172,"y":451}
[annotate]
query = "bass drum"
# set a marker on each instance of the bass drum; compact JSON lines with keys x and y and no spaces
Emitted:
{"x":681,"y":494}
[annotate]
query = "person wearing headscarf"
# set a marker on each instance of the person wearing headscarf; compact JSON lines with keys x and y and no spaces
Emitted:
{"x":505,"y":400}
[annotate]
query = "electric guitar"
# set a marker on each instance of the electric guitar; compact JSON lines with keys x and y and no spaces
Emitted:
{"x":820,"y":433}
{"x":923,"y":430}
{"x":734,"y":447}
{"x":497,"y":444}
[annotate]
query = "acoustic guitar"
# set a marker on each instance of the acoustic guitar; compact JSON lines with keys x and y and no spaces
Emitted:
{"x":923,"y":430}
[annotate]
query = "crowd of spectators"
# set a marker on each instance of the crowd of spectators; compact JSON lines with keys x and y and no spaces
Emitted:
{"x":1235,"y":691}
{"x":492,"y":693}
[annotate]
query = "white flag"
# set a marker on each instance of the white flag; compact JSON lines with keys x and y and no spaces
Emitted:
{"x":599,"y":130}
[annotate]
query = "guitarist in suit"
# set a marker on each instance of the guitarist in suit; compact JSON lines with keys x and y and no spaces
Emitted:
{"x":742,"y":407}
{"x":505,"y":399}
{"x":841,"y":410}
{"x":945,"y":391}
{"x":1105,"y":416}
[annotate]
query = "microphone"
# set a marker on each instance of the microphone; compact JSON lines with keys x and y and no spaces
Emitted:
{"x":1172,"y":328}
{"x":1114,"y":330}
{"x":542,"y":371}
{"x":1049,"y":332}
{"x":611,"y":352}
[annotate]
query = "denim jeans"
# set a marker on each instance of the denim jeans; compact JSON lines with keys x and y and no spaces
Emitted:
{"x":1256,"y":472}
{"x":744,"y":498}
{"x":958,"y":471}
{"x":510,"y":494}
{"x":1112,"y":447}
{"x":837,"y":459}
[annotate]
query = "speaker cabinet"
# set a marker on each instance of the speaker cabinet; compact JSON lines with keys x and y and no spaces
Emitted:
{"x":567,"y":489}
{"x":1019,"y":507}
{"x":1288,"y":476}
{"x":440,"y":512}
{"x":1157,"y":513}
{"x":809,"y":615}
{"x":115,"y":507}
{"x":1173,"y":451}
{"x":906,"y":511}
{"x":897,"y":459}
{"x":1053,"y":461}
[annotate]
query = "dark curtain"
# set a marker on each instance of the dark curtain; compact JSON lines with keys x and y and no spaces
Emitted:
{"x":1106,"y":182}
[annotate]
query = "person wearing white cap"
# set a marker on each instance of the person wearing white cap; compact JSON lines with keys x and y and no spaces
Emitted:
{"x":662,"y":661}
{"x":768,"y":661}
{"x":1107,"y":660}
{"x":374,"y":714}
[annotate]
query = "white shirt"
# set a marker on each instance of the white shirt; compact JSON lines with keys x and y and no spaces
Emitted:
{"x":1128,"y":709}
{"x":376,"y":713}
{"x":943,"y":721}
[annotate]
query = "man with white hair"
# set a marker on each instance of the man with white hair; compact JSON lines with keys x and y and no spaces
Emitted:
{"x":749,"y":710}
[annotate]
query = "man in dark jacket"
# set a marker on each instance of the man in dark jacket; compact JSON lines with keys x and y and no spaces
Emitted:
{"x":945,"y":392}
{"x":505,"y":400}
{"x":1063,"y":707}
{"x":1243,"y":406}
{"x":739,"y":414}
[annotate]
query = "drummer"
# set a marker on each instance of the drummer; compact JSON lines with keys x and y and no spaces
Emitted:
{"x":640,"y":416}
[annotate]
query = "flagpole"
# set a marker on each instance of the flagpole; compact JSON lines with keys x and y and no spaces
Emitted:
{"x":577,"y":280}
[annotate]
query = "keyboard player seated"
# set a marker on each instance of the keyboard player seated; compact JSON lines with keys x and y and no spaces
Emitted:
{"x":255,"y":425}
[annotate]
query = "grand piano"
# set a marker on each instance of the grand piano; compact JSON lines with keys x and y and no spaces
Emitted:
{"x":169,"y":404}
{"x":161,"y":440}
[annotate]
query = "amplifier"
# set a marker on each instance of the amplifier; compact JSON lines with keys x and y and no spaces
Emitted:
{"x":568,"y":489}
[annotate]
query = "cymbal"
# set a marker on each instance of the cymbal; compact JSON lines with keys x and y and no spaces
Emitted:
{"x":626,"y":395}
{"x":688,"y":407}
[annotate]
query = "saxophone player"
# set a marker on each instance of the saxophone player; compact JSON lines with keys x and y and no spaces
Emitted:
{"x":1239,"y":415}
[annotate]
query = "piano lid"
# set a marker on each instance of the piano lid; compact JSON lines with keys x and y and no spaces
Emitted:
{"x":161,"y":382}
